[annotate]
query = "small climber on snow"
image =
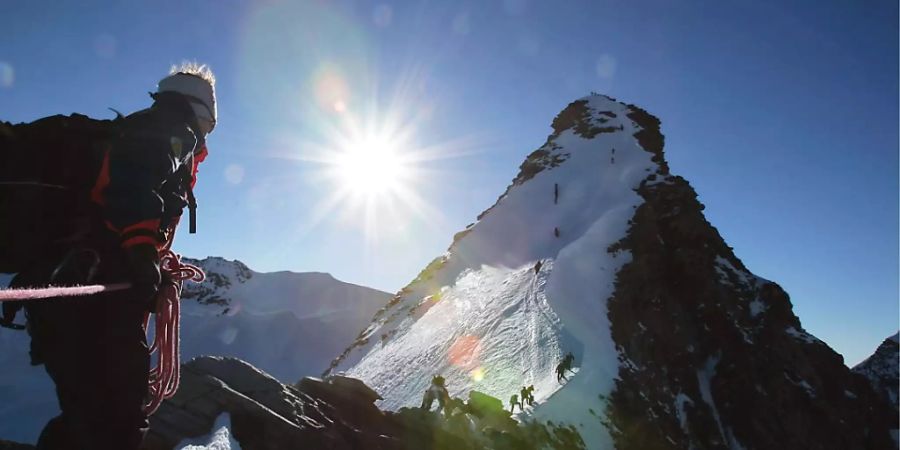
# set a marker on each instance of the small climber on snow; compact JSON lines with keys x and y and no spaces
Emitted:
{"x":564,"y":366}
{"x":523,"y":395}
{"x":513,"y":402}
{"x":94,"y":347}
{"x":437,"y":391}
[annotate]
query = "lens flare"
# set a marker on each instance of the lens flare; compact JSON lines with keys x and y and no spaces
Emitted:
{"x":7,"y":75}
{"x":465,"y":352}
{"x":331,"y":90}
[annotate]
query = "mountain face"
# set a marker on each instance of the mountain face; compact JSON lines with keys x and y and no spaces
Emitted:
{"x":288,"y":324}
{"x":597,"y":250}
{"x":881,"y":369}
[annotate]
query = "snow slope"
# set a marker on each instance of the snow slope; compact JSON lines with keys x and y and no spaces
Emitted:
{"x":465,"y":315}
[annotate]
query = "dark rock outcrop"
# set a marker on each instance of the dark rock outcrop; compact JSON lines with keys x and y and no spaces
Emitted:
{"x":334,"y":413}
{"x":714,"y":357}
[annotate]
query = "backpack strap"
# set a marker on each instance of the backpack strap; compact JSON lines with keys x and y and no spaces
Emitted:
{"x":177,"y":183}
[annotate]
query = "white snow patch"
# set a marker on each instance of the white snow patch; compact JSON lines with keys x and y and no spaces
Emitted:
{"x":704,"y":377}
{"x":801,"y":335}
{"x":220,"y":439}
{"x":680,"y":401}
{"x":801,"y":383}
{"x":757,"y":307}
{"x":723,"y":265}
{"x":747,"y":338}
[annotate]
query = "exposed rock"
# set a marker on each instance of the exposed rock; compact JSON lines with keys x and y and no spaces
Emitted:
{"x":264,"y":413}
{"x":335,"y":413}
{"x":702,"y":363}
{"x":881,"y":369}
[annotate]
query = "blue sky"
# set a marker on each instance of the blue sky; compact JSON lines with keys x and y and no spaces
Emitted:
{"x":782,"y":115}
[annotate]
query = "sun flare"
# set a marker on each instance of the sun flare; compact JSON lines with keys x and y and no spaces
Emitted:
{"x":372,"y":169}
{"x":371,"y":166}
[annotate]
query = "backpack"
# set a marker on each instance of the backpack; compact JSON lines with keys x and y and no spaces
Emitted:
{"x":47,"y":170}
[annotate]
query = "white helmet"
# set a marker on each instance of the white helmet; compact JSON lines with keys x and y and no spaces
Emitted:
{"x":198,"y":87}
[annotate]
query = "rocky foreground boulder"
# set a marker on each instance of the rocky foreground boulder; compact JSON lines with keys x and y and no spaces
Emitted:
{"x":334,"y":413}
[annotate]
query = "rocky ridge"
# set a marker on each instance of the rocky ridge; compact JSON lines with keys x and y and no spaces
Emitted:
{"x":881,"y":369}
{"x":335,"y":413}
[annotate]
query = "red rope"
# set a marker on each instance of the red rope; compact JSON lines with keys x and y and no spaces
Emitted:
{"x":164,"y":377}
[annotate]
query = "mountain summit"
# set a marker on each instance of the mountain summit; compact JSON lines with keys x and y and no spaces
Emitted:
{"x":596,"y":249}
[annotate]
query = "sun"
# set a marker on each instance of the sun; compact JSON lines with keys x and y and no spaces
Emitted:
{"x":371,"y":166}
{"x":374,"y":172}
{"x":376,"y":165}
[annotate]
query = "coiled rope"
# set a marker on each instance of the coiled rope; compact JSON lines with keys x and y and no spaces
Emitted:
{"x":165,"y":376}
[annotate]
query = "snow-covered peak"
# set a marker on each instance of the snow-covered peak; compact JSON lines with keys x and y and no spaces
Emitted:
{"x":266,"y":318}
{"x":231,"y":286}
{"x":545,"y":236}
{"x":586,"y":168}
